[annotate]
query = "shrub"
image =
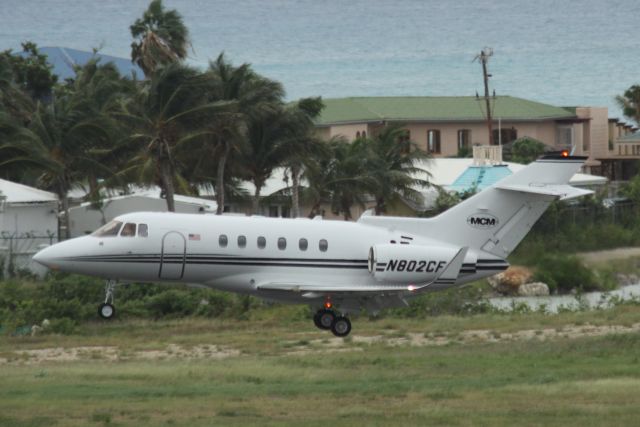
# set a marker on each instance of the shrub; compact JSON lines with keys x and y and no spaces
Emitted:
{"x":563,"y":273}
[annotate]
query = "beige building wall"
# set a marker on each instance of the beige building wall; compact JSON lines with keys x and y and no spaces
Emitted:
{"x":348,"y":131}
{"x":542,"y":131}
{"x":598,"y":132}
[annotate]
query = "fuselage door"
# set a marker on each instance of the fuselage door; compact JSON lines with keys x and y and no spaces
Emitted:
{"x":172,"y":260}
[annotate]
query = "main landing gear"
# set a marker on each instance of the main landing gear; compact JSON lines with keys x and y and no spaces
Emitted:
{"x":106,"y":310}
{"x":327,"y":319}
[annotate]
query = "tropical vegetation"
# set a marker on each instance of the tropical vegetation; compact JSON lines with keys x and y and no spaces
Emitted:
{"x":186,"y":130}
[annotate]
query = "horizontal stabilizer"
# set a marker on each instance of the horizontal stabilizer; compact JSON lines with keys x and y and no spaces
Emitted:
{"x":563,"y":191}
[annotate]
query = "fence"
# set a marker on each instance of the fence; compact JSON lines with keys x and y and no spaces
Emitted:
{"x":16,"y":251}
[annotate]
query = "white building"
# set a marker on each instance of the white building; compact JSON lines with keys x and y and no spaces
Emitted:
{"x":28,"y":220}
{"x":84,"y":219}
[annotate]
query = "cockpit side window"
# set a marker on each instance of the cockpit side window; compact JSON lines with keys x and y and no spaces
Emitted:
{"x":143,"y":230}
{"x":129,"y":230}
{"x":108,"y":230}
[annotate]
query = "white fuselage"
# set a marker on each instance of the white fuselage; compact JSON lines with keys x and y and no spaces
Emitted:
{"x":227,"y":252}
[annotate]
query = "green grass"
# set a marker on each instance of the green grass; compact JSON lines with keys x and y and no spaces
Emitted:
{"x":284,"y":376}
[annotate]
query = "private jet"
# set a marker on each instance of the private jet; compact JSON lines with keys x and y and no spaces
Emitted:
{"x":338,"y":268}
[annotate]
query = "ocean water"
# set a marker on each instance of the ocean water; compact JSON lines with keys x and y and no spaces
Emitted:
{"x":560,"y":52}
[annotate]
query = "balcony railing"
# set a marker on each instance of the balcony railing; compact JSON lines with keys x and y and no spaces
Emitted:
{"x":626,"y":149}
{"x":487,"y":155}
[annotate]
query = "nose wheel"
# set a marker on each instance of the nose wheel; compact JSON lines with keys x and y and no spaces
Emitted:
{"x":106,"y":310}
{"x":326,"y":319}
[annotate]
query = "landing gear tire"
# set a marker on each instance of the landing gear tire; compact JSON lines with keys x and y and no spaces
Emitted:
{"x":341,"y":326}
{"x":107,"y":311}
{"x":323,"y":319}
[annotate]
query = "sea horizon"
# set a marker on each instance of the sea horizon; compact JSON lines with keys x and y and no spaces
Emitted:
{"x":574,"y":53}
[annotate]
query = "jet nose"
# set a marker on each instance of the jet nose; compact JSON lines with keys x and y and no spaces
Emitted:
{"x":43,"y":256}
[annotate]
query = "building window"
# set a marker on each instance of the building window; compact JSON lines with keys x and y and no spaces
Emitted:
{"x":223,"y":240}
{"x":273,"y":211}
{"x":323,"y":245}
{"x":504,"y":136}
{"x":143,"y":230}
{"x":464,"y":139}
{"x":358,"y":135}
{"x":262,"y":242}
{"x":433,"y":141}
{"x":303,"y":244}
{"x":364,"y":133}
{"x":282,"y":243}
{"x":564,"y":137}
{"x":285,"y":212}
{"x":242,"y":241}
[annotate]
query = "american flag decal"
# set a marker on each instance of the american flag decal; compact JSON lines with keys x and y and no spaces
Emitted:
{"x":194,"y":236}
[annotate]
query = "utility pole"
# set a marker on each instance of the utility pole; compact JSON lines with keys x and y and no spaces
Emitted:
{"x":483,"y":58}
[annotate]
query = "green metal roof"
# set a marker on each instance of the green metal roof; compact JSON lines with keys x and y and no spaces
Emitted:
{"x":434,"y":108}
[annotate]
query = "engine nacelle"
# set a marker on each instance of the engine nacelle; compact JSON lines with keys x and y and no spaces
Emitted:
{"x":410,"y":264}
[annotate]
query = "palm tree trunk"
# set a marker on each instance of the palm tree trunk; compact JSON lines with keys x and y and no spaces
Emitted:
{"x":256,"y":197}
{"x":64,"y":202}
{"x":295,"y":192}
{"x":167,"y":184}
{"x":220,"y":181}
{"x":314,"y":209}
{"x":379,"y":209}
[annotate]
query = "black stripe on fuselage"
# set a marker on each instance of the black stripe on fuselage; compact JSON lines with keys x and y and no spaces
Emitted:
{"x":216,"y":260}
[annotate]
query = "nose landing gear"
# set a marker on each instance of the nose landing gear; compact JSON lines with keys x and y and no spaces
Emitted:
{"x":106,"y":310}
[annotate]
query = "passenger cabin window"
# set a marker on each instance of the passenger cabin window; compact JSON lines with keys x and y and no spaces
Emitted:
{"x":323,"y":245}
{"x":282,"y":243}
{"x":223,"y":240}
{"x":262,"y":242}
{"x":303,"y":244}
{"x":242,"y":241}
{"x":143,"y":230}
{"x":129,"y":230}
{"x":108,"y":230}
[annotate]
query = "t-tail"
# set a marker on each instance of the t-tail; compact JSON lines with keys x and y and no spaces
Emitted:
{"x":499,"y":217}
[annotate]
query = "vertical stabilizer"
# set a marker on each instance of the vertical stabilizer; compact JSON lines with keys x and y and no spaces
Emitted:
{"x":497,"y":219}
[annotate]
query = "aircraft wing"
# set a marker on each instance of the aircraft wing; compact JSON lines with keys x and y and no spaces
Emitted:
{"x":329,"y":288}
{"x":447,"y":277}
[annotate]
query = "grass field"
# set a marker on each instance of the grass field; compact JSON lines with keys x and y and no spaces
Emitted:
{"x":571,"y":369}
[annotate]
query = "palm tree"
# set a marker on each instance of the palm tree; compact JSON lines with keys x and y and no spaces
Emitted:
{"x":301,"y":144}
{"x":167,"y":114}
{"x":13,"y":99}
{"x":392,"y":161}
{"x":160,"y":38}
{"x":254,"y":96}
{"x":630,"y":103}
{"x":339,"y":177}
{"x":55,"y":144}
{"x":98,"y":92}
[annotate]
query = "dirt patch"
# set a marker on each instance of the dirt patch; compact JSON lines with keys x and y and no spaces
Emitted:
{"x":609,"y":255}
{"x":112,"y":354}
{"x":333,"y":345}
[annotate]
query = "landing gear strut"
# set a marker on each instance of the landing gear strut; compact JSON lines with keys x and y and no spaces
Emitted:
{"x":327,"y":319}
{"x":106,"y":310}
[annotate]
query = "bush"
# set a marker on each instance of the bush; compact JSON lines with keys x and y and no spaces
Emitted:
{"x":563,"y":273}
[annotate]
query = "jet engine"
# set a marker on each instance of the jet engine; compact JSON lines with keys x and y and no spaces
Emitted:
{"x":409,"y":263}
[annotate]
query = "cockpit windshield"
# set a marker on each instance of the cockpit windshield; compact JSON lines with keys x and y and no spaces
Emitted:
{"x":110,"y":229}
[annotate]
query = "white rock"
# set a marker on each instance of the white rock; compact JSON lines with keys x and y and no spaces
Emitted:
{"x":536,"y":289}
